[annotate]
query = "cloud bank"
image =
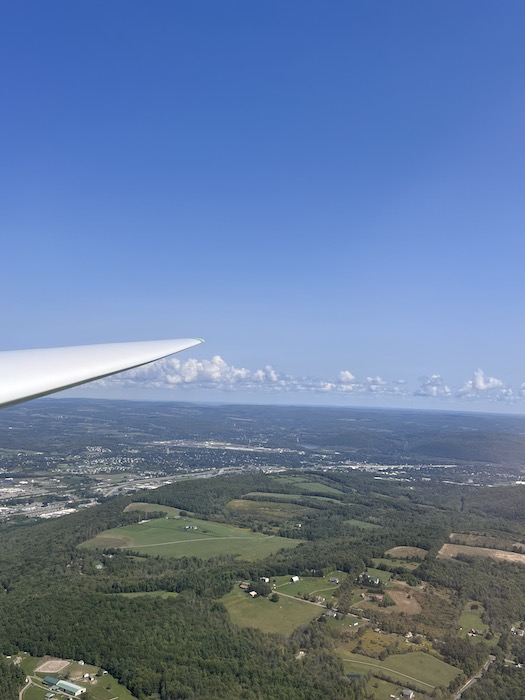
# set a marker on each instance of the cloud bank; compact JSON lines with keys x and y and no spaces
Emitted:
{"x":216,"y":373}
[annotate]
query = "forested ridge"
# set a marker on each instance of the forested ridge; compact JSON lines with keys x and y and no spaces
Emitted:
{"x":56,"y":601}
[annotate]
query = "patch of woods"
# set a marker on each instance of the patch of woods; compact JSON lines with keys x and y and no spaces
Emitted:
{"x":11,"y":679}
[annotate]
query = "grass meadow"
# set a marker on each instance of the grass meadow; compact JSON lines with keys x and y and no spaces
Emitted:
{"x":281,"y":617}
{"x":311,"y":585}
{"x":168,"y":537}
{"x":419,"y":668}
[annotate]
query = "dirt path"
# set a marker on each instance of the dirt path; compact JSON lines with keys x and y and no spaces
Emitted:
{"x":26,"y":686}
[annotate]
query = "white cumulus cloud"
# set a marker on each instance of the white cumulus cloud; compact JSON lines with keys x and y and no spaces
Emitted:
{"x":215,"y":373}
{"x":484,"y":387}
{"x":433,"y":386}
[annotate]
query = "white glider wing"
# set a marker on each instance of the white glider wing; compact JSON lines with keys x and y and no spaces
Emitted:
{"x":29,"y":374}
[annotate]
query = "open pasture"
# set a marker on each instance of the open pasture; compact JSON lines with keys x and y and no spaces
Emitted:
{"x":407,"y":552}
{"x":283,"y":512}
{"x":452,"y":550}
{"x":418,"y":668}
{"x":290,"y":497}
{"x":383,"y":576}
{"x":280,"y":618}
{"x":205,"y":539}
{"x":309,"y":585}
{"x":153,"y":508}
{"x":315,"y":487}
{"x":470,"y":618}
{"x":303,"y":485}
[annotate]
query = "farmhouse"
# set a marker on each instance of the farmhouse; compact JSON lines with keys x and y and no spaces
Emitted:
{"x":294,"y":579}
{"x":265,"y":579}
{"x":333,"y":579}
{"x":406,"y":693}
{"x":253,"y":594}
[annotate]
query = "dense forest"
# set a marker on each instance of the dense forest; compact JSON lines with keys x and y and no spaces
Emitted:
{"x":11,"y":679}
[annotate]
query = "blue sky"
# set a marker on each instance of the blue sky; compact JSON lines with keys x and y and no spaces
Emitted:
{"x":331,"y":191}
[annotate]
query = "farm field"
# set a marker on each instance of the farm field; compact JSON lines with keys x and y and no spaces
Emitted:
{"x":485,"y":541}
{"x":418,"y":668}
{"x":153,"y":508}
{"x":285,"y":497}
{"x":315,"y":487}
{"x":169,"y":538}
{"x":407,"y":552}
{"x":281,"y":617}
{"x":311,"y":585}
{"x":452,"y":551}
{"x":304,"y":485}
{"x":277,"y":511}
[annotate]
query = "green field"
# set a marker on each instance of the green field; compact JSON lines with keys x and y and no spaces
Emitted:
{"x":167,"y":537}
{"x":315,"y":487}
{"x":282,"y":512}
{"x":311,"y":585}
{"x":29,"y":663}
{"x":291,"y":497}
{"x":281,"y":617}
{"x":471,"y":619}
{"x":383,"y":576}
{"x":154,"y":508}
{"x":346,"y":622}
{"x":419,"y":668}
{"x":305,"y":485}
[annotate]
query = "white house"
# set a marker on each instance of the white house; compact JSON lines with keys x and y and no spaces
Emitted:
{"x":294,"y":579}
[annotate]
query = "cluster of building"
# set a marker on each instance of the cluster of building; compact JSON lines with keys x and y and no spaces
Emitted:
{"x":63,"y":686}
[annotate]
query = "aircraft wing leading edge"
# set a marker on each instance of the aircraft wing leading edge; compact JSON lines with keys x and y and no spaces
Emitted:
{"x":29,"y":374}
